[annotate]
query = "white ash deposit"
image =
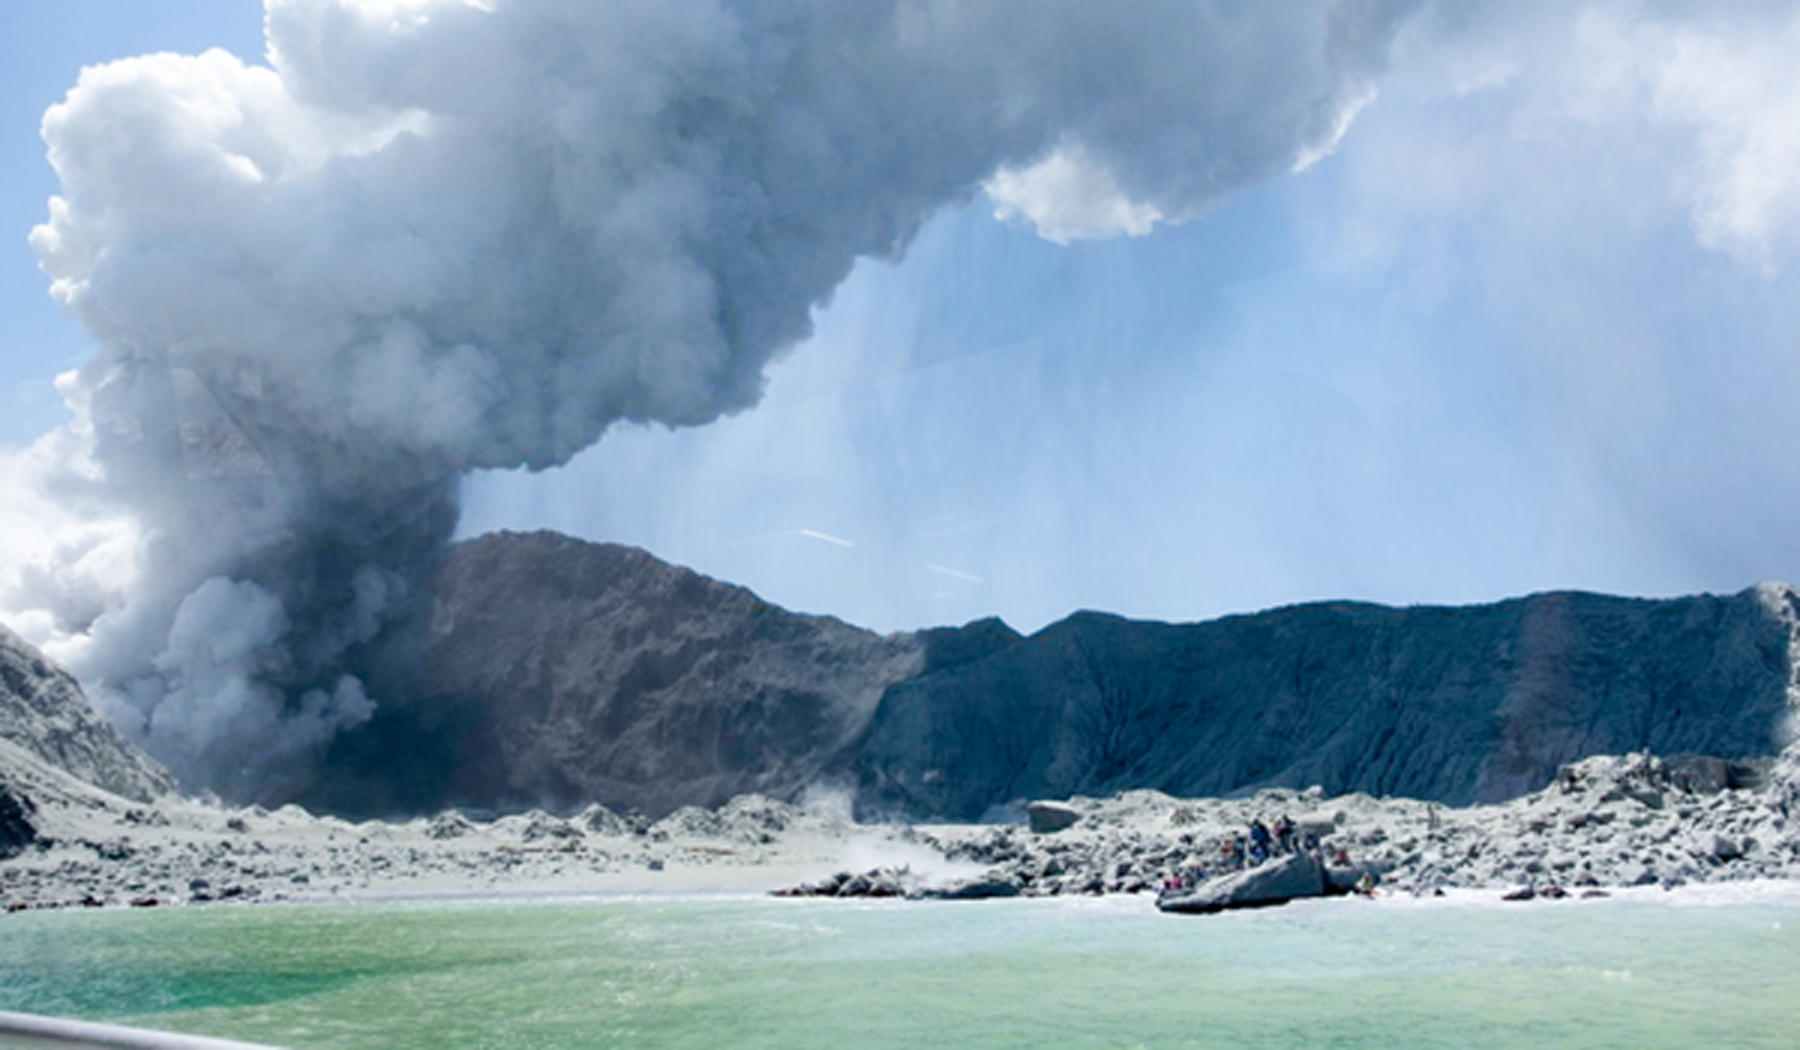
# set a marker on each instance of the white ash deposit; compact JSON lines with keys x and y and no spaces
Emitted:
{"x":90,"y":847}
{"x":1606,"y":823}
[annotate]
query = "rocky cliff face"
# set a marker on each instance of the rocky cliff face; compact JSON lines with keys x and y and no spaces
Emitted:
{"x":1448,"y":704}
{"x":558,"y":671}
{"x":43,"y":712}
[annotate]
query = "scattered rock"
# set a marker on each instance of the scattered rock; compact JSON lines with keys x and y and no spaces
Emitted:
{"x":878,"y":882}
{"x":540,"y":826}
{"x":115,"y":850}
{"x":599,"y":820}
{"x":448,"y":826}
{"x":1593,"y":831}
{"x":144,"y":816}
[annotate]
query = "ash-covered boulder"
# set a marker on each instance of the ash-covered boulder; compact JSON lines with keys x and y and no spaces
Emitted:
{"x":448,"y":826}
{"x":1048,"y":818}
{"x":1705,"y":774}
{"x":1279,"y":881}
{"x":877,"y":882}
{"x":976,"y":888}
{"x":43,"y":711}
{"x":602,"y":821}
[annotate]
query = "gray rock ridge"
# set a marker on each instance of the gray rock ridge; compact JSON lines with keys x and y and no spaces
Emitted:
{"x":44,"y":712}
{"x":555,"y":672}
{"x":558,"y":672}
{"x":1456,"y":705}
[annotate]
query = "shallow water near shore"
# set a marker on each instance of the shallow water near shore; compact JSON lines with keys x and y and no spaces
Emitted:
{"x":1713,"y":967}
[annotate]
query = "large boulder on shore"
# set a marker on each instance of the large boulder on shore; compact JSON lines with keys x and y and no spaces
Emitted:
{"x":981,"y":887}
{"x":1281,"y":880}
{"x":1047,"y":818}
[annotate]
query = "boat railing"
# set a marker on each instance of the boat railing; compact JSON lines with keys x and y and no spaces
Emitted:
{"x":59,"y":1033}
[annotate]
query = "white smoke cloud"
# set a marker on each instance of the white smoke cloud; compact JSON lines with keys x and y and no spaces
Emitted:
{"x":432,"y":236}
{"x":1067,"y":197}
{"x":1714,"y":87}
{"x":71,"y":551}
{"x":1735,"y":87}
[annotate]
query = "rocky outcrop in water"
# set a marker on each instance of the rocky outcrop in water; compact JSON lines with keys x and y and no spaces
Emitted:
{"x":1279,"y":881}
{"x":43,"y":712}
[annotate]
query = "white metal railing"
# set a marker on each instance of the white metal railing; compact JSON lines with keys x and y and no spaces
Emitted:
{"x":56,"y":1033}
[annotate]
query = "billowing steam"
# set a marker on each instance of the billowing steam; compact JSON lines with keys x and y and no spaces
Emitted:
{"x":438,"y":235}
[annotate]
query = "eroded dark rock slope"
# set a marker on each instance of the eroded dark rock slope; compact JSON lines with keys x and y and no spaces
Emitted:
{"x":43,"y":712}
{"x":1455,"y":705}
{"x":559,"y":671}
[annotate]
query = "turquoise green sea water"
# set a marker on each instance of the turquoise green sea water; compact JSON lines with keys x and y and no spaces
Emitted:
{"x":762,"y":972}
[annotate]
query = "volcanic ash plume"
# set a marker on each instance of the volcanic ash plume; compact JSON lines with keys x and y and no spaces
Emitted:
{"x":431,"y":236}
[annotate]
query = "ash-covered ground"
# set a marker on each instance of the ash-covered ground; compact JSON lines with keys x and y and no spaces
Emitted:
{"x":1606,"y":823}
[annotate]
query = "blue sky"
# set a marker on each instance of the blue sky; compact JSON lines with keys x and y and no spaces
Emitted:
{"x":1531,"y":326}
{"x":43,"y":47}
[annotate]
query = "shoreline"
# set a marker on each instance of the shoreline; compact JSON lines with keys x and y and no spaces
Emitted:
{"x":1769,"y":892}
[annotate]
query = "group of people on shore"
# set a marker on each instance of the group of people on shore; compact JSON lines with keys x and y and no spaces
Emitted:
{"x":1259,"y":843}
